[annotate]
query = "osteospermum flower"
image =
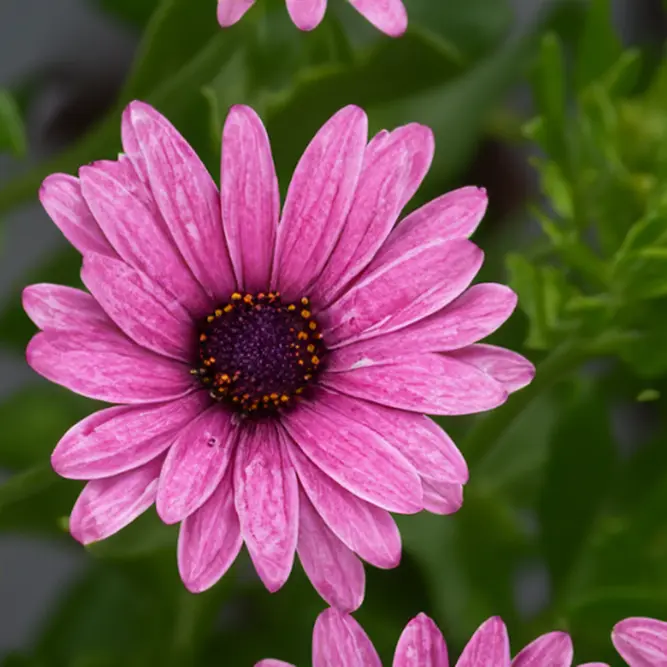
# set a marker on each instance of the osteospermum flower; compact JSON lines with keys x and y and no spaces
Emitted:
{"x":641,"y":642}
{"x":339,"y":641}
{"x":271,"y":377}
{"x":389,"y":16}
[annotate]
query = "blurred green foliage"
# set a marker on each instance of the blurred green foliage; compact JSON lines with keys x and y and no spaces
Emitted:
{"x":551,"y":482}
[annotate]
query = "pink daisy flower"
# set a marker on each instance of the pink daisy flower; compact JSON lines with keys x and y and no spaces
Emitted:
{"x":389,"y":16}
{"x":641,"y":642}
{"x":272,"y":379}
{"x":339,"y":641}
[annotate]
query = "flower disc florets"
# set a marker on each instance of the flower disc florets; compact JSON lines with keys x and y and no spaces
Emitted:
{"x":258,"y":353}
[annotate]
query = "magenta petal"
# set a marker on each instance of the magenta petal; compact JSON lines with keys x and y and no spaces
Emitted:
{"x":442,"y":498}
{"x":476,"y":314}
{"x":306,"y":14}
{"x":250,"y":197}
{"x":335,"y":572}
{"x":356,"y":457}
{"x":366,"y":529}
{"x":61,"y":197}
{"x":186,"y":196}
{"x":553,"y":649}
{"x":107,"y":366}
{"x":488,"y":646}
{"x":60,"y":308}
{"x":141,"y":309}
{"x":129,"y":218}
{"x":429,"y":383}
{"x":210,"y":539}
{"x":506,"y":367}
{"x":391,"y":295}
{"x":386,"y":15}
{"x":118,"y":439}
{"x":195,"y":464}
{"x":266,"y":494}
{"x":452,"y":216}
{"x":318,"y":201}
{"x":394,"y":166}
{"x":231,"y":11}
{"x":421,"y":645}
{"x":339,"y":641}
{"x":423,"y":443}
{"x":107,"y":505}
{"x":641,"y":642}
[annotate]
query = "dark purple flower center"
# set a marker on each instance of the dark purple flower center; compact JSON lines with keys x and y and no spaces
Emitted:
{"x":259,"y":354}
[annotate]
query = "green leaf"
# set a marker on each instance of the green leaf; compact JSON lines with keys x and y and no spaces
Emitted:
{"x":134,"y":12}
{"x":12,"y":131}
{"x":599,"y":47}
{"x":577,"y":474}
{"x":25,"y":485}
{"x":642,"y":274}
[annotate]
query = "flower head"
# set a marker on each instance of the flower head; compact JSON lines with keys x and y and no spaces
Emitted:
{"x":271,"y":378}
{"x":389,"y":16}
{"x":641,"y":642}
{"x":339,"y":641}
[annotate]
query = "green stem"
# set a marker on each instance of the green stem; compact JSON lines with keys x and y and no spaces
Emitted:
{"x":489,"y":430}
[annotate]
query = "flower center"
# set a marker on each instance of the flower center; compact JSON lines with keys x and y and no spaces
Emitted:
{"x":258,"y":353}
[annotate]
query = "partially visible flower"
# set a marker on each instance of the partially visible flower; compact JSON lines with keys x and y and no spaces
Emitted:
{"x":339,"y":641}
{"x":641,"y":642}
{"x":389,"y":16}
{"x":272,"y":368}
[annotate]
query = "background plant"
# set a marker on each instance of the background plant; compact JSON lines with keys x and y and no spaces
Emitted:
{"x":568,"y":480}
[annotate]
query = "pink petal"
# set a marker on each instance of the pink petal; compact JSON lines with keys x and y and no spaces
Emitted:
{"x":554,"y":649}
{"x":442,"y":498}
{"x":195,"y":464}
{"x":335,"y":572}
{"x":118,"y":439}
{"x":186,"y":196}
{"x":267,"y":502}
{"x":488,"y":647}
{"x":318,"y":201}
{"x":231,"y":11}
{"x":306,"y":14}
{"x":423,"y":443}
{"x":107,"y":505}
{"x":272,"y":663}
{"x":107,"y":366}
{"x":394,"y":166}
{"x":210,"y":539}
{"x":509,"y":368}
{"x":250,"y":197}
{"x":142,"y":309}
{"x":386,"y":15}
{"x":61,"y":197}
{"x":429,"y":383}
{"x":339,"y":641}
{"x":421,"y":645}
{"x":641,"y":642}
{"x":356,"y":457}
{"x":129,"y":217}
{"x":60,"y":308}
{"x":452,"y":216}
{"x":391,"y":295}
{"x":476,"y":314}
{"x":364,"y":528}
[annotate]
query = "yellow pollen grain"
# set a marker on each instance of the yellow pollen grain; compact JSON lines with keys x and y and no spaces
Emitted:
{"x":202,"y":338}
{"x":315,"y":359}
{"x":300,"y":362}
{"x":312,"y":325}
{"x":299,"y":390}
{"x":265,"y":398}
{"x":291,"y":307}
{"x":311,"y":348}
{"x":228,"y":308}
{"x":284,"y":398}
{"x":305,"y":301}
{"x":236,"y":296}
{"x":305,"y":314}
{"x":218,"y":312}
{"x":261,"y":295}
{"x":274,"y":396}
{"x":302,"y":335}
{"x":248,"y":298}
{"x":210,"y":318}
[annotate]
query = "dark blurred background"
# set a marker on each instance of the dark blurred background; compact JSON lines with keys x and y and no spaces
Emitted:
{"x":72,"y":57}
